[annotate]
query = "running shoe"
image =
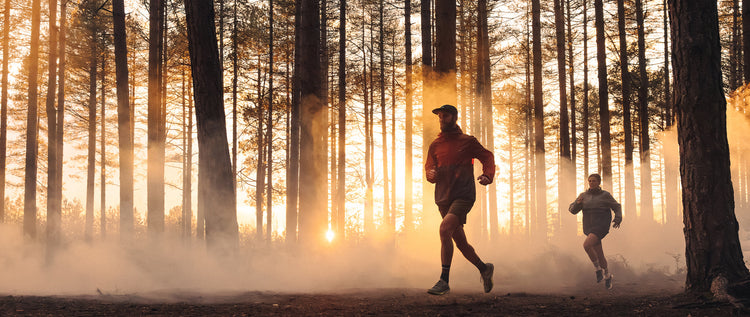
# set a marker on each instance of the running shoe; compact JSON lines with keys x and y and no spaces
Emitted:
{"x":599,"y":275}
{"x":487,"y":277}
{"x":608,"y":281}
{"x":440,"y":288}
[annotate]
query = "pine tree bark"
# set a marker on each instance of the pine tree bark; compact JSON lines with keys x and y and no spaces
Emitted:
{"x":647,"y":203}
{"x":91,"y":155}
{"x":4,"y":108}
{"x":214,"y":160}
{"x":313,"y":167}
{"x":746,"y":40}
{"x":124,"y":121}
{"x":260,"y":175}
{"x":629,"y":202}
{"x":383,"y":129}
{"x":60,"y":113}
{"x":32,"y":128}
{"x":53,"y":201}
{"x":565,"y":175}
{"x":294,"y":139}
{"x":269,"y":128}
{"x":601,"y":58}
{"x":573,"y":127}
{"x":340,"y":219}
{"x":540,"y":231}
{"x":585,"y":102}
{"x":713,"y":253}
{"x":103,"y":160}
{"x":409,"y":122}
{"x":155,"y":183}
{"x":429,"y":128}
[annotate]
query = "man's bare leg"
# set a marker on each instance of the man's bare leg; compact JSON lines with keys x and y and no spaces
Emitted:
{"x":459,"y":236}
{"x":447,"y":228}
{"x":591,"y":244}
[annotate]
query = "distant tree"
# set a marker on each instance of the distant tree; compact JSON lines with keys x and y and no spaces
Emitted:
{"x":585,"y":102}
{"x":409,"y":121}
{"x":629,"y":203}
{"x":566,"y":174}
{"x":215,"y":166}
{"x":647,"y":203}
{"x":540,"y":228}
{"x":54,"y":201}
{"x":124,"y":121}
{"x":32,"y":128}
{"x":313,"y":163}
{"x":339,"y":218}
{"x":601,"y":58}
{"x":713,"y":254}
{"x":746,"y":40}
{"x":155,"y":184}
{"x":4,"y":109}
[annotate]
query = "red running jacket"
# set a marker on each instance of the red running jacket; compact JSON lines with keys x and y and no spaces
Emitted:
{"x":451,"y":156}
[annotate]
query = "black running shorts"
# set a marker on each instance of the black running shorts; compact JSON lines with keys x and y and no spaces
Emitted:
{"x":458,"y":207}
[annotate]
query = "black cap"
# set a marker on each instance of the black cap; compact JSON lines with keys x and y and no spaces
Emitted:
{"x":447,"y":108}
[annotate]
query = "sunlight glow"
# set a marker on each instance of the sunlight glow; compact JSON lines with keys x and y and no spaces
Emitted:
{"x":329,"y":235}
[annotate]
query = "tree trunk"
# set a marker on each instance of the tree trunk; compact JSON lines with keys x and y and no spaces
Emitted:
{"x":60,"y":113}
{"x":647,"y":203}
{"x":383,"y":128}
{"x":429,"y":128}
{"x":745,"y":40}
{"x":214,"y":161}
{"x":4,"y":110}
{"x":155,"y":185}
{"x":585,"y":105}
{"x":32,"y":150}
{"x":103,"y":200}
{"x":734,"y":48}
{"x":294,"y":131}
{"x":713,"y":252}
{"x":185,"y":228}
{"x":409,"y":122}
{"x":368,"y":216}
{"x":573,"y":136}
{"x":629,"y":203}
{"x":234,"y":86}
{"x":91,"y":156}
{"x":540,"y":232}
{"x":260,"y":170}
{"x":565,"y":174}
{"x":269,"y":131}
{"x":53,"y":200}
{"x":124,"y":121}
{"x":340,"y":219}
{"x":601,"y":58}
{"x":313,"y":219}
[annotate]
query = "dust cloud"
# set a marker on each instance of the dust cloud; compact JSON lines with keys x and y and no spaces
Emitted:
{"x":171,"y":266}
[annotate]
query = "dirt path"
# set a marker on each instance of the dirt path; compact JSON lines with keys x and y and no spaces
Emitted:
{"x":374,"y":302}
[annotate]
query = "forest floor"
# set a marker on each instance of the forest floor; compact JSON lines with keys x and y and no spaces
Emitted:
{"x":624,"y":300}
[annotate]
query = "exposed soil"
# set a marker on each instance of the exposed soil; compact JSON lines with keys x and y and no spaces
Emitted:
{"x":628,"y":300}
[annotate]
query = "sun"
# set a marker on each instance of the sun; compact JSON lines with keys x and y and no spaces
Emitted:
{"x":330,"y":235}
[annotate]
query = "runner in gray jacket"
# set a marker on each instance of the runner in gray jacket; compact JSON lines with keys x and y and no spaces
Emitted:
{"x":597,"y":205}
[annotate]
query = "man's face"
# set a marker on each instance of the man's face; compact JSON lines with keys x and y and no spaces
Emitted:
{"x":593,"y":182}
{"x":446,"y":120}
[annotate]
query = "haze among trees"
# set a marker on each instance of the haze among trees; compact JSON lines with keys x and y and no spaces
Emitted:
{"x":304,"y":123}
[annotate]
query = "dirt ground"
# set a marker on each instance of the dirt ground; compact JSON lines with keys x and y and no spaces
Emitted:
{"x":627,"y":300}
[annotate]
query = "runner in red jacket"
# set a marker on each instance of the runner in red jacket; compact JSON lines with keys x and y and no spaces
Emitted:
{"x":449,"y":165}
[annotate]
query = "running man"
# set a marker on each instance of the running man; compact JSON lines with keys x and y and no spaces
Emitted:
{"x":596,"y":204}
{"x":449,"y":166}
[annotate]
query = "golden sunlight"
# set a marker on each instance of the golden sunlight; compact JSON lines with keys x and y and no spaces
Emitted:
{"x":329,"y":235}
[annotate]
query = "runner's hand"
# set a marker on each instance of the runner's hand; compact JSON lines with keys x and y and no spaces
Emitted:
{"x":484,"y":180}
{"x":431,"y":174}
{"x":616,"y":223}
